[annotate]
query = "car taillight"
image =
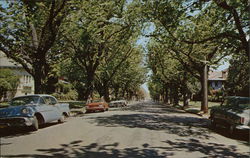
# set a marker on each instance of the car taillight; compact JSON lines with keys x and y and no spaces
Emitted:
{"x":242,"y":120}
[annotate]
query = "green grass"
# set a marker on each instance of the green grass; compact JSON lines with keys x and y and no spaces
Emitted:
{"x":75,"y":104}
{"x":197,"y":104}
{"x":194,"y":106}
{"x":3,"y":104}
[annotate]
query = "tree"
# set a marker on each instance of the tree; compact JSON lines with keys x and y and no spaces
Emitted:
{"x":189,"y":36}
{"x":238,"y":80}
{"x":101,"y":32}
{"x":129,"y":77}
{"x":8,"y":82}
{"x":29,"y":31}
{"x":171,"y":74}
{"x":236,"y":23}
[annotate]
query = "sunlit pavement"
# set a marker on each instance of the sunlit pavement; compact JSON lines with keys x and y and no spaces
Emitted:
{"x":141,"y":130}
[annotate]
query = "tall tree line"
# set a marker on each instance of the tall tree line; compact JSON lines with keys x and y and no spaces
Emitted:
{"x":89,"y":42}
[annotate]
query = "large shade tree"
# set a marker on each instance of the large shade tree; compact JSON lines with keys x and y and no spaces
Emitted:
{"x":100,"y":31}
{"x":29,"y":31}
{"x":197,"y":33}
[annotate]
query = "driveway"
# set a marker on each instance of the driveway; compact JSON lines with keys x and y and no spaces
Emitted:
{"x":142,"y":130}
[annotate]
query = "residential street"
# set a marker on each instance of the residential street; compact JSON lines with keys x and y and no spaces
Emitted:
{"x":142,"y":130}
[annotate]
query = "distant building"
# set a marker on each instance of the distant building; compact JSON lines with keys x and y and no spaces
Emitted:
{"x":26,"y":83}
{"x":217,"y":79}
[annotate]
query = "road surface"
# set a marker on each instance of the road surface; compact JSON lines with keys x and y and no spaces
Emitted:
{"x":143,"y":130}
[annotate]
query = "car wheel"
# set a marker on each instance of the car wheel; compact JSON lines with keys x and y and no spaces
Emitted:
{"x":35,"y":125}
{"x":62,"y":119}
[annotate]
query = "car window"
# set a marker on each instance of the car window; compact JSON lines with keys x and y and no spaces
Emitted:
{"x":53,"y":101}
{"x":244,"y":101}
{"x":27,"y":100}
{"x":229,"y":102}
{"x":47,"y":100}
{"x":42,"y":101}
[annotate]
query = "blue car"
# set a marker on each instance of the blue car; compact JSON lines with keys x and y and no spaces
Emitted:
{"x":33,"y":111}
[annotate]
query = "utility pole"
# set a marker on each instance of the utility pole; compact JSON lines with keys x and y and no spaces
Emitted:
{"x":205,"y":89}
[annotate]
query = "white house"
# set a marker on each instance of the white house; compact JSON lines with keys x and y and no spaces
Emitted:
{"x":26,"y":84}
{"x":217,"y":79}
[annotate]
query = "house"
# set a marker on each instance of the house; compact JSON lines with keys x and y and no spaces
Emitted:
{"x":26,"y":83}
{"x":217,"y":79}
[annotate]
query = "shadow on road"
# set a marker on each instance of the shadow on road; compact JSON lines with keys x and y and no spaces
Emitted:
{"x":152,"y":107}
{"x":179,"y":125}
{"x":238,"y":134}
{"x":21,"y":131}
{"x":209,"y":149}
{"x":94,"y":150}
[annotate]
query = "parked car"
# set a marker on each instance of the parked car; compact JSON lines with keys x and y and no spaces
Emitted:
{"x":97,"y":105}
{"x":118,"y":103}
{"x":32,"y":111}
{"x":234,"y":113}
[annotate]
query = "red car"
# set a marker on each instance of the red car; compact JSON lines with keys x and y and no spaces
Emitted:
{"x":97,"y":105}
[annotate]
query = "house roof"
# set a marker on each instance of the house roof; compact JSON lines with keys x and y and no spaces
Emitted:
{"x":218,"y":75}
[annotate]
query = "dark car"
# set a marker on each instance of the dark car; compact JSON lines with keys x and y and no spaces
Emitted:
{"x":233,"y":113}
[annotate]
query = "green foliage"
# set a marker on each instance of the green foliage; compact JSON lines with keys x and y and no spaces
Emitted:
{"x":193,"y":33}
{"x":70,"y":95}
{"x":8,"y":81}
{"x":101,"y":42}
{"x":93,"y":44}
{"x":238,"y":80}
{"x":75,"y":104}
{"x":30,"y":34}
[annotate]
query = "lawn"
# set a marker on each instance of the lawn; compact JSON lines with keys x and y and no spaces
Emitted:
{"x":195,"y":106}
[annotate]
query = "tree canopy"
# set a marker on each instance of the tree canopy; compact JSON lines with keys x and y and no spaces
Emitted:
{"x":94,"y":44}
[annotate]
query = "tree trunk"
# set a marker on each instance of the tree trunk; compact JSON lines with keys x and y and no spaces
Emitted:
{"x":116,"y":92}
{"x":175,"y":96}
{"x":50,"y":85}
{"x":38,"y":78}
{"x":185,"y":91}
{"x":204,"y":90}
{"x":81,"y":94}
{"x":185,"y":100}
{"x":171,"y":95}
{"x":38,"y":84}
{"x":106,"y":94}
{"x":89,"y":84}
{"x":166,"y":95}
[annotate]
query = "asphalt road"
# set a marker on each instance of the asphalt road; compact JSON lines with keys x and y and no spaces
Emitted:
{"x":143,"y":130}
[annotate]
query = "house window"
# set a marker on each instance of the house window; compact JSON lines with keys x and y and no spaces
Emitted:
{"x":216,"y":84}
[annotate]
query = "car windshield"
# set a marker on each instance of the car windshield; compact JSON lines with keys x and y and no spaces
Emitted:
{"x":229,"y":102}
{"x":24,"y":100}
{"x":242,"y":102}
